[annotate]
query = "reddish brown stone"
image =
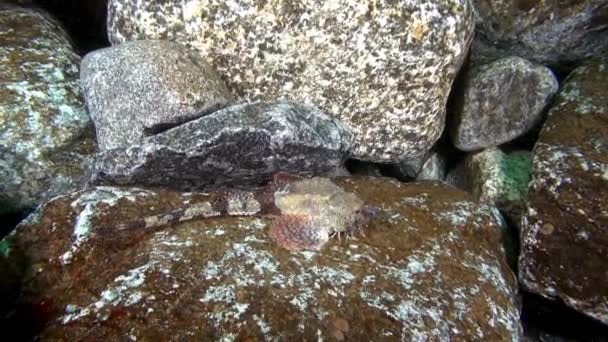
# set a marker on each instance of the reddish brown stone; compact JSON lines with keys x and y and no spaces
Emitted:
{"x":565,"y":229}
{"x":429,"y":265}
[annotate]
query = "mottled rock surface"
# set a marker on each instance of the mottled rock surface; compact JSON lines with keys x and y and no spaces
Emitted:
{"x":434,"y":168}
{"x":46,"y":140}
{"x":385,"y":68}
{"x":429,"y":267}
{"x":431,"y":167}
{"x":548,"y":32}
{"x":140,"y":88}
{"x":497,"y":178}
{"x":565,"y":229}
{"x":243,"y":144}
{"x":501,"y":101}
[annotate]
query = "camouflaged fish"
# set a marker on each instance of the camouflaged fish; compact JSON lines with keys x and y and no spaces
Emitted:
{"x":306,"y":212}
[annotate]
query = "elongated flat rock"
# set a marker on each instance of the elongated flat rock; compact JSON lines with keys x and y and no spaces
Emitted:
{"x":240,"y":145}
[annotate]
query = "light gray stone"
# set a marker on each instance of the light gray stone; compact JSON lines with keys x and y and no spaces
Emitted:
{"x":239,"y":145}
{"x":434,"y":168}
{"x":431,"y":166}
{"x":502,"y":101}
{"x":140,"y":88}
{"x":46,"y":140}
{"x":383,"y":67}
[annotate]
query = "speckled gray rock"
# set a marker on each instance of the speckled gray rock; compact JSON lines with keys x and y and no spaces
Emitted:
{"x":501,"y":101}
{"x":240,"y":145}
{"x":140,"y":88}
{"x":547,"y":32}
{"x":430,"y":268}
{"x":385,"y":68}
{"x":46,"y":140}
{"x":565,"y":228}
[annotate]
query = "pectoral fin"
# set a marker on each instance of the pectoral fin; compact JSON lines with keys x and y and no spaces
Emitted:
{"x":297,"y":232}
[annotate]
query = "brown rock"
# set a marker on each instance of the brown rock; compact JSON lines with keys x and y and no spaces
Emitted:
{"x":565,"y":229}
{"x":430,"y":265}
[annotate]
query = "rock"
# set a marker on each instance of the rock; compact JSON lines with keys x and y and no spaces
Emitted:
{"x":408,"y":168}
{"x":431,"y":167}
{"x":501,"y":101}
{"x":547,"y":32}
{"x":140,"y":88}
{"x":46,"y":142}
{"x":384,"y":68}
{"x":239,"y":145}
{"x":434,"y":168}
{"x":430,"y":266}
{"x":501,"y":178}
{"x":496,"y":178}
{"x":565,"y":235}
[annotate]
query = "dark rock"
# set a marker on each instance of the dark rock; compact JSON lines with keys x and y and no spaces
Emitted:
{"x":385,"y":69}
{"x":501,"y":101}
{"x":140,"y":88}
{"x":239,"y":145}
{"x":429,"y":266}
{"x":547,"y":32}
{"x":46,"y":141}
{"x":432,"y":167}
{"x":565,"y":235}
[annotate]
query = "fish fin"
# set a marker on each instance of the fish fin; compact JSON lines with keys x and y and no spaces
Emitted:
{"x":297,"y":232}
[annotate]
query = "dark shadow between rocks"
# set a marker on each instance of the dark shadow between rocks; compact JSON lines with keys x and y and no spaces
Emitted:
{"x":165,"y":126}
{"x":553,"y":321}
{"x":85,"y":21}
{"x":11,"y":218}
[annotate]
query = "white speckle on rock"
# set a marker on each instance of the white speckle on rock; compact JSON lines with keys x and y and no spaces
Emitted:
{"x":583,"y":235}
{"x":90,"y":201}
{"x":226,"y":295}
{"x":264,"y":327}
{"x":228,"y":338}
{"x":123,"y":292}
{"x":216,"y":232}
